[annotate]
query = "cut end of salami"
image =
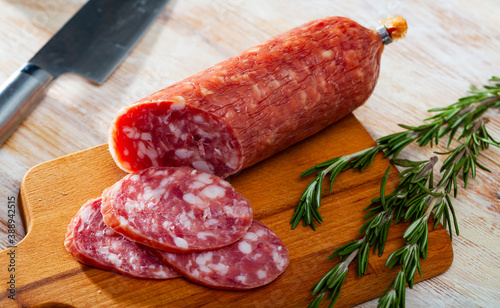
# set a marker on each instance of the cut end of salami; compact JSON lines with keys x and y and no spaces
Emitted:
{"x":176,"y":209}
{"x":257,"y":259}
{"x":92,"y":243}
{"x":248,"y":108}
{"x":169,"y":133}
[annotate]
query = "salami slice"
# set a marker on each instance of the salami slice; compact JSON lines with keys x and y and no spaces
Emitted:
{"x":247,"y":108}
{"x":177,"y":209}
{"x":257,"y":259}
{"x":92,"y":243}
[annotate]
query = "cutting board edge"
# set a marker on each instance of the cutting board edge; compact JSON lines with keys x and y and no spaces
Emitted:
{"x":102,"y":152}
{"x":26,"y":211}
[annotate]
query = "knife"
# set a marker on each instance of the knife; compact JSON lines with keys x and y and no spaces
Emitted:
{"x":91,"y":44}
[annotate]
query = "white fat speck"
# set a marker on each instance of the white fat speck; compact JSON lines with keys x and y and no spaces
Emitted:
{"x":233,"y":161}
{"x":196,"y":273}
{"x":108,"y":231}
{"x":205,"y":178}
{"x":196,"y":185}
{"x":191,"y":198}
{"x":135,"y":178}
{"x":165,"y":181}
{"x":211,"y":222}
{"x":153,"y":155}
{"x":131,"y":132}
{"x":133,"y":206}
{"x":261,"y":274}
{"x":206,"y":92}
{"x":198,"y":119}
{"x":147,"y":193}
{"x":205,"y":269}
{"x":202,"y":166}
{"x":229,"y":210}
{"x":179,"y":103}
{"x":250,"y":236}
{"x":123,"y":221}
{"x":261,"y":232}
{"x":241,"y":278}
{"x":141,"y":149}
{"x":146,"y":136}
{"x":167,"y":225}
{"x":278,"y":260}
{"x":174,"y":130}
{"x":159,"y":192}
{"x":327,"y":54}
{"x":126,"y":152}
{"x":85,"y":215}
{"x":256,"y":91}
{"x":224,"y":183}
{"x":180,"y":242}
{"x":161,"y":274}
{"x":184,"y":221}
{"x":202,"y":258}
{"x":113,"y":258}
{"x":183,"y":153}
{"x":103,"y":250}
{"x":206,"y":213}
{"x":213,"y":191}
{"x":279,"y":248}
{"x":244,"y":247}
{"x":203,"y":235}
{"x":220,"y":268}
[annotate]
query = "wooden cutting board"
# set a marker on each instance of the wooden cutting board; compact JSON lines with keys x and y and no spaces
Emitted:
{"x":52,"y":192}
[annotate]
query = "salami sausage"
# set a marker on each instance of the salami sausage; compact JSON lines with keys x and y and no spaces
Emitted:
{"x":247,"y":108}
{"x":257,"y":259}
{"x":92,"y":243}
{"x":176,"y":209}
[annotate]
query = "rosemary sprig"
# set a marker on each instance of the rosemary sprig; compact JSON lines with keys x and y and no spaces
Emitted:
{"x":448,"y":120}
{"x":462,"y":159}
{"x":415,"y":199}
{"x":382,"y":211}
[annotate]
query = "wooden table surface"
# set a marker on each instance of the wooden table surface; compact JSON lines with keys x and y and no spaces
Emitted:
{"x":450,"y":45}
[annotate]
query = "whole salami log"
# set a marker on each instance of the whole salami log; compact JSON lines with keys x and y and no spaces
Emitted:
{"x":257,"y":259}
{"x":92,"y":243}
{"x":176,"y":209}
{"x":247,"y":108}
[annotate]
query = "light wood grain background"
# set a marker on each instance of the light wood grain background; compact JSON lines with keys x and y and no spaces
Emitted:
{"x":450,"y":44}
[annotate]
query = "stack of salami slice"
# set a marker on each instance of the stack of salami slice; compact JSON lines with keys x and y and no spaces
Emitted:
{"x":167,"y":222}
{"x":220,"y":121}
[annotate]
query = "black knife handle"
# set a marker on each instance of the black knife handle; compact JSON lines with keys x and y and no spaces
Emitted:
{"x":19,"y":95}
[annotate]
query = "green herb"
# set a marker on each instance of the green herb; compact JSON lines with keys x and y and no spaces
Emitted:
{"x":448,"y":120}
{"x":414,"y":200}
{"x":382,"y":211}
{"x":462,"y":159}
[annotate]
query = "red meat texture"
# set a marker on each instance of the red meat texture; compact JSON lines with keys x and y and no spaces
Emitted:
{"x":257,"y":259}
{"x":177,"y":209}
{"x":249,"y":107}
{"x":92,"y":243}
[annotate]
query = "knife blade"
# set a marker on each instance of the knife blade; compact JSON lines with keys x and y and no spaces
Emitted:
{"x":91,"y":44}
